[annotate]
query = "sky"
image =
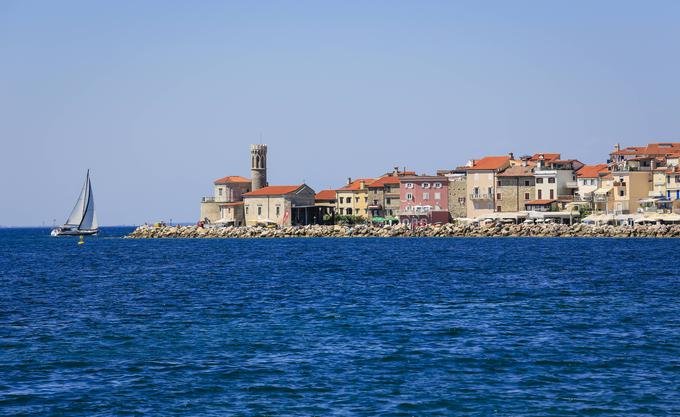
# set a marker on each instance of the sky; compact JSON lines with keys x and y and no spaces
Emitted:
{"x":160,"y":98}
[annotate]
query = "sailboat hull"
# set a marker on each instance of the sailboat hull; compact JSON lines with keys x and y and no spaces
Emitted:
{"x":73,"y":232}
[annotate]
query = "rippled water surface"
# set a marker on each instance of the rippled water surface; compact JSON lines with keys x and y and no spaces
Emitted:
{"x":528,"y":327}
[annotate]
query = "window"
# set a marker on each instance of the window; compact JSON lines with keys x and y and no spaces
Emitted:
{"x":539,"y":180}
{"x":365,"y":199}
{"x":340,"y":200}
{"x":498,"y":208}
{"x":437,"y":196}
{"x":540,"y":194}
{"x":426,"y":185}
{"x":409,"y":196}
{"x":426,"y":196}
{"x":342,"y":210}
{"x":551,"y":180}
{"x":220,"y":191}
{"x":552,"y":194}
{"x":489,"y":191}
{"x":409,"y":185}
{"x":461,"y":201}
{"x":259,"y":211}
{"x":498,"y":196}
{"x":356,"y":199}
{"x":622,"y":193}
{"x":498,"y":183}
{"x":246,"y":209}
{"x":437,"y":185}
{"x":388,"y":201}
{"x":527,"y":183}
{"x":278,"y":211}
{"x":526,"y":196}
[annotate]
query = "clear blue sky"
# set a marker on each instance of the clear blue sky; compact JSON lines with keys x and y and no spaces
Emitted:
{"x":159,"y":98}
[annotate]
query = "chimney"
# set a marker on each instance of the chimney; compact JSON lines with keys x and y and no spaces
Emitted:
{"x":349,"y":180}
{"x":395,"y":172}
{"x":511,"y":155}
{"x":617,"y":146}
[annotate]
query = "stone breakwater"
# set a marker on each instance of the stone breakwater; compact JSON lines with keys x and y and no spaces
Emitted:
{"x":446,"y":230}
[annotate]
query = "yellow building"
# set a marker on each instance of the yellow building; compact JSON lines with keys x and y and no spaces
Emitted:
{"x":353,"y":198}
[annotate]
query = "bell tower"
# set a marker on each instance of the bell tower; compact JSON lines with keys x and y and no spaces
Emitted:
{"x":258,"y":166}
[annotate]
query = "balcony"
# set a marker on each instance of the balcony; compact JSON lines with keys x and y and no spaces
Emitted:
{"x":375,"y":206}
{"x":480,"y":196}
{"x":207,"y":199}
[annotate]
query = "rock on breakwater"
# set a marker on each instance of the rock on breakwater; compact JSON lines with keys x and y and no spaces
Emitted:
{"x":445,"y":230}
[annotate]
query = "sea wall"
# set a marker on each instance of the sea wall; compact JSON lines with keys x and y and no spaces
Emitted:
{"x":446,"y":230}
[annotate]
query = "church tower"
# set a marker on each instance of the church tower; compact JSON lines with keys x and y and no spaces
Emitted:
{"x":258,"y":166}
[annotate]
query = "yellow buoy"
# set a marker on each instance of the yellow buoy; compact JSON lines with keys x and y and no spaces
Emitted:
{"x":82,"y":240}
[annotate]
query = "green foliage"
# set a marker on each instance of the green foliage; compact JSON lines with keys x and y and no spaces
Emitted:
{"x":349,"y":220}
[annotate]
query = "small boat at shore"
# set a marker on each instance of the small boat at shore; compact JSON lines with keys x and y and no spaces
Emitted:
{"x":83,"y":219}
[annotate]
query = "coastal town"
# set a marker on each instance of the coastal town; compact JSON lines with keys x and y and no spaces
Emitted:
{"x":634,"y":185}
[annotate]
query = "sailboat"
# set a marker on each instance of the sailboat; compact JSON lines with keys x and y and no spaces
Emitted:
{"x":83,"y":219}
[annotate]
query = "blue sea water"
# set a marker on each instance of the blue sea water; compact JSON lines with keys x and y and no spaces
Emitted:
{"x":338,"y":327}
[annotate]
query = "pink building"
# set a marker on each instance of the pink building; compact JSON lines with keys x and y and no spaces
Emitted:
{"x":424,"y":199}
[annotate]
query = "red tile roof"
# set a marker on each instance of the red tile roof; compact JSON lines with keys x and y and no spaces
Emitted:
{"x":356,"y":184}
{"x":388,"y":179}
{"x":325,"y":195}
{"x":274,"y":190}
{"x":546,"y":156}
{"x":540,"y":202}
{"x":592,"y":171}
{"x":518,"y":171}
{"x":659,"y":148}
{"x":490,"y":163}
{"x":231,"y":178}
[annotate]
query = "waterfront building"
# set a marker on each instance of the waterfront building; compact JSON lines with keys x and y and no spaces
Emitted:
{"x":481,"y":184}
{"x":224,"y":206}
{"x":629,"y":188}
{"x":457,"y":192}
{"x":383,"y":195}
{"x":556,"y":178}
{"x":423,"y":199}
{"x":326,"y":202}
{"x":514,"y":188}
{"x":353,"y":198}
{"x":589,"y":179}
{"x":282,"y":205}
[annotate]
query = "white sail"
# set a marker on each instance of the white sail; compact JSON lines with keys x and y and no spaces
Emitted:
{"x":89,"y":221}
{"x":77,"y":213}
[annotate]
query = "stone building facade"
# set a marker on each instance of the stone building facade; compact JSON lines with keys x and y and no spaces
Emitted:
{"x":457,"y":194}
{"x":515,"y":187}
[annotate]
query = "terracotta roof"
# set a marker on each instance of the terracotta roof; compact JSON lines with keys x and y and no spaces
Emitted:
{"x":546,"y":156}
{"x":325,"y":195}
{"x":489,"y":163}
{"x":659,"y":148}
{"x":518,"y":171}
{"x":274,"y":190}
{"x":356,"y":184}
{"x":540,"y":202}
{"x":592,"y":171}
{"x":388,"y":179}
{"x":231,"y":178}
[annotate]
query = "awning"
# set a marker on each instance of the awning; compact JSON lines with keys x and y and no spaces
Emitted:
{"x":378,"y":219}
{"x":391,"y":219}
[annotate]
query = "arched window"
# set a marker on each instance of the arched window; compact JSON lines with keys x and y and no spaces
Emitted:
{"x":257,"y":161}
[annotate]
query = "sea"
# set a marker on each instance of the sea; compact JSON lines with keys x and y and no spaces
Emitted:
{"x":338,"y":327}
